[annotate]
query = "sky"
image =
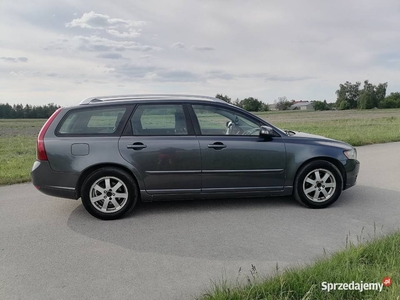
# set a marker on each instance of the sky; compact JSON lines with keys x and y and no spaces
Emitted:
{"x":64,"y":51}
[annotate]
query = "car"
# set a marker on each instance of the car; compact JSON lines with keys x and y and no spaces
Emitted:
{"x":113,"y":151}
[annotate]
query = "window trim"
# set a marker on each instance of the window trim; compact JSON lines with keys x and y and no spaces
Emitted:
{"x":233,"y":110}
{"x":189,"y":124}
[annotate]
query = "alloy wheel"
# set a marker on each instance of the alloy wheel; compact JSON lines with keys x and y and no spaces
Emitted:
{"x":319,"y":185}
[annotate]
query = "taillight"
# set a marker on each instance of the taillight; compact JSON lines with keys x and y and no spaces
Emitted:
{"x":40,"y":150}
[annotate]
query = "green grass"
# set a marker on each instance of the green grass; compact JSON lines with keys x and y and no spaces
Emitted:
{"x":352,"y":126}
{"x":17,"y":149}
{"x":369,"y":263}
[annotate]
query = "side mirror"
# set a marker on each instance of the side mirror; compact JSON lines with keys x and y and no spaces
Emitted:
{"x":266,"y":131}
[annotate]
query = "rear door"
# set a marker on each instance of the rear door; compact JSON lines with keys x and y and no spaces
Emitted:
{"x":163,"y":148}
{"x":234,"y":157}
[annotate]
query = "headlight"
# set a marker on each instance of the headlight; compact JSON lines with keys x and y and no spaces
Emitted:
{"x":351,"y":154}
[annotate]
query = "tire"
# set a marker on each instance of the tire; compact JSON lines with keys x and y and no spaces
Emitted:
{"x":109,"y":193}
{"x":318,"y":184}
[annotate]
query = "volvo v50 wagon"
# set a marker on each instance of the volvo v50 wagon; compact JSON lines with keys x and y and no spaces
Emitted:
{"x":114,"y":151}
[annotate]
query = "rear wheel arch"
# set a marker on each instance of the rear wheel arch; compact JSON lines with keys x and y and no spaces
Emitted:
{"x":109,"y":193}
{"x":91,"y":169}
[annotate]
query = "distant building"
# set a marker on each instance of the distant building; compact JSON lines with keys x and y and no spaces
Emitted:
{"x":272,"y":106}
{"x":302,"y":105}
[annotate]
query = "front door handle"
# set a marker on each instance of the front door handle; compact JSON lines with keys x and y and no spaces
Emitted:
{"x":136,"y":146}
{"x":217,"y":146}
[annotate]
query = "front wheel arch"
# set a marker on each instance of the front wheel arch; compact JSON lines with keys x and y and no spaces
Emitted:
{"x":333,"y":161}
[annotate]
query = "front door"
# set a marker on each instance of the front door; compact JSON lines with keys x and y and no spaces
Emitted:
{"x":234,"y":157}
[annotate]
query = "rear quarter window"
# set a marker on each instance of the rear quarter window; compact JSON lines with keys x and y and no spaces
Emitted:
{"x":105,"y":120}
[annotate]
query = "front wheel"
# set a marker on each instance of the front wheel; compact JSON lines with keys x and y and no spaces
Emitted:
{"x":318,"y":184}
{"x":109,"y":193}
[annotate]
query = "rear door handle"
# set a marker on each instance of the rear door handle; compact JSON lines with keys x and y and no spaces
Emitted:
{"x":136,"y":146}
{"x":217,"y":146}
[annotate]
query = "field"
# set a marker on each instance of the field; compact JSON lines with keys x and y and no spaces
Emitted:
{"x":355,"y":127}
{"x":18,"y":137}
{"x":17,"y":148}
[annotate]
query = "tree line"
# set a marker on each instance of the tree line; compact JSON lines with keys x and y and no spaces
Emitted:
{"x":253,"y":104}
{"x":350,"y":96}
{"x":18,"y":111}
{"x":250,"y":103}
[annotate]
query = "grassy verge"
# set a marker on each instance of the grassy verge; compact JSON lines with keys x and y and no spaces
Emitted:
{"x":366,"y":263}
{"x":354,"y":127}
{"x":17,"y":149}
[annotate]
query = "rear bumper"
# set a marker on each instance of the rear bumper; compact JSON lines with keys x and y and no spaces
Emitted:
{"x":49,"y":182}
{"x":352,"y":168}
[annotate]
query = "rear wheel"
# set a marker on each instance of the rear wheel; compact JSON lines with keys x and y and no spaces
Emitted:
{"x":318,"y":184}
{"x":109,"y":193}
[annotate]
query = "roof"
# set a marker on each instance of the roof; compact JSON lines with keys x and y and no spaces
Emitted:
{"x":139,"y":97}
{"x":298,"y":104}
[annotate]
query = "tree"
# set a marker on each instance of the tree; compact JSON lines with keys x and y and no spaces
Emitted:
{"x":18,"y":111}
{"x":371,"y":95}
{"x":283,"y":103}
{"x":347,"y":95}
{"x":251,"y":104}
{"x":380,"y":91}
{"x":391,"y":101}
{"x":320,"y":105}
{"x":225,"y":98}
{"x":28,"y":111}
{"x":264,"y":107}
{"x":237,"y":102}
{"x":6,"y":111}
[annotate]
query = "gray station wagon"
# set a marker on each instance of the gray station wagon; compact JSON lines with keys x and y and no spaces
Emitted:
{"x":116,"y":150}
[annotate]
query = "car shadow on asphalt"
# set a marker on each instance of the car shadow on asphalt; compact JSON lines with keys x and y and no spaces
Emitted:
{"x":182,"y":206}
{"x":258,"y":228}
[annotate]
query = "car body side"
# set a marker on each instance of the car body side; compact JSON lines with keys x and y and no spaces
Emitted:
{"x":71,"y":158}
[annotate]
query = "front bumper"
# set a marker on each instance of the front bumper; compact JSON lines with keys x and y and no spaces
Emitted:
{"x":352,"y":167}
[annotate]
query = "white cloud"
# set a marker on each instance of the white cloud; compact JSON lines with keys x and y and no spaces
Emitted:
{"x":131,"y":33}
{"x":93,"y":20}
{"x":14,"y":59}
{"x":99,"y":44}
{"x":203,"y":48}
{"x":178,"y":45}
{"x":110,"y":55}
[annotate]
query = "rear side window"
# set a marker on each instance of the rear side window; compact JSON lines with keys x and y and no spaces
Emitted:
{"x":104,"y":120}
{"x":162,"y":119}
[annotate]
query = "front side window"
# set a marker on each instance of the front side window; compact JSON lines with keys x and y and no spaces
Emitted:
{"x":104,"y":120}
{"x":160,"y":119}
{"x":214,"y":120}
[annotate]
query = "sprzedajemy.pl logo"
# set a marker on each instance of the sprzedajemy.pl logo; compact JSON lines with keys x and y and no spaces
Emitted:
{"x":356,"y":286}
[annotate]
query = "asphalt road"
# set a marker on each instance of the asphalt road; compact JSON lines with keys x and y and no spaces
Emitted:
{"x":52,"y":249}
